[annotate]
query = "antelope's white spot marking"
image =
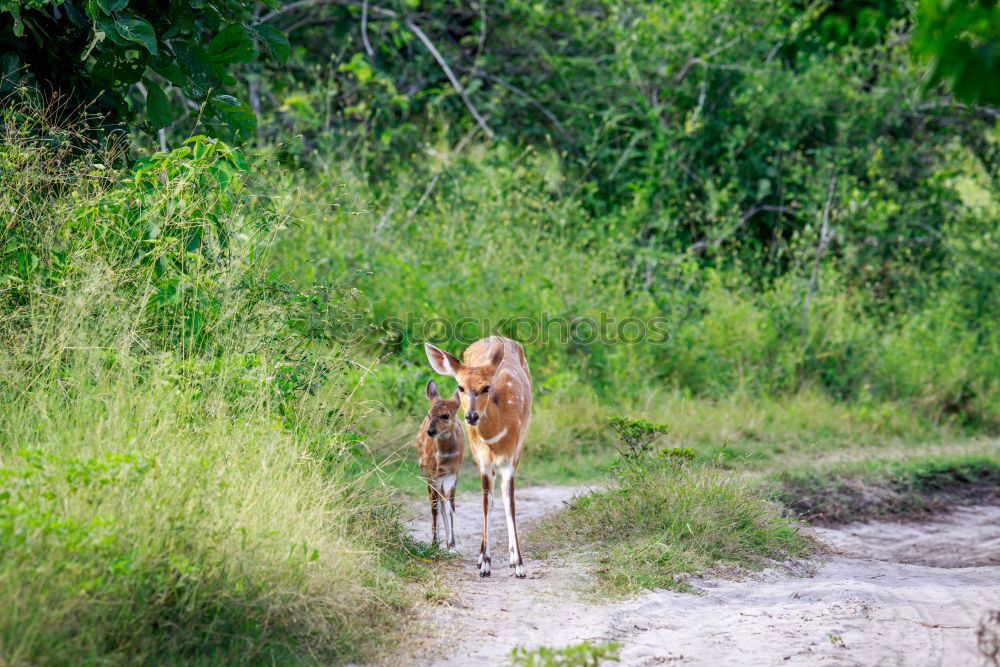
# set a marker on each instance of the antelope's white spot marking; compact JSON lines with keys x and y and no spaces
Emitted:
{"x":497,"y":437}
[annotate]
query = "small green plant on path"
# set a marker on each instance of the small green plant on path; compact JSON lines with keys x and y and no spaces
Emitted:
{"x":584,"y":654}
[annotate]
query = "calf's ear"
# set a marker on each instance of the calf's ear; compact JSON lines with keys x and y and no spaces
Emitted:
{"x":432,"y":391}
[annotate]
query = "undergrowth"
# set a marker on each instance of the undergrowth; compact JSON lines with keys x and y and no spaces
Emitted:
{"x":176,"y":423}
{"x":667,"y":518}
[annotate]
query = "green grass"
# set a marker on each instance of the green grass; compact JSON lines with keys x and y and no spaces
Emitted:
{"x":134,"y":531}
{"x":656,"y":528}
{"x":821,"y":461}
{"x":584,"y":654}
{"x":175,"y":431}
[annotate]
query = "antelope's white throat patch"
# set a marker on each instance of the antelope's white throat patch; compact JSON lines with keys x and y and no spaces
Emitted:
{"x":497,"y":437}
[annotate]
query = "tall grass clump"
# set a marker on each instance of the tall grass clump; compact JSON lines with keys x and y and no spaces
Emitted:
{"x":171,"y":485}
{"x":667,"y":518}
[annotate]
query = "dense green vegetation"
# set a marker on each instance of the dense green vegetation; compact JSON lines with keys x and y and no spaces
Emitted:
{"x":666,"y":519}
{"x":168,"y":489}
{"x":221,"y":252}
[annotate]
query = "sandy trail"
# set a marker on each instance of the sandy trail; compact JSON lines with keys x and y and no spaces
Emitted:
{"x":886,"y":594}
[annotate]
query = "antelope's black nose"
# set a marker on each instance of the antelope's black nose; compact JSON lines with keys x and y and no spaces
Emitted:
{"x":472,"y":418}
{"x":432,"y":431}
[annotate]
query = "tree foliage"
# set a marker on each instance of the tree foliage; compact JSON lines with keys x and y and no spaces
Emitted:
{"x":962,"y":41}
{"x":181,"y":54}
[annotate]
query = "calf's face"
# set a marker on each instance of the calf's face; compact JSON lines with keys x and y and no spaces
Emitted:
{"x":441,"y":413}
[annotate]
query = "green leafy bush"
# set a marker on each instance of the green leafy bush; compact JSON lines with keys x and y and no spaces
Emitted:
{"x":92,"y":53}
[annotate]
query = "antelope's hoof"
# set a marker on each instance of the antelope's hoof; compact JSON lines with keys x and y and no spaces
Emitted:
{"x":484,"y":569}
{"x":519,"y":571}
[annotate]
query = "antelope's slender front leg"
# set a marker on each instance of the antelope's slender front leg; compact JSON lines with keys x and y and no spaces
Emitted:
{"x":514,"y":549}
{"x":448,"y":508}
{"x":451,"y":499}
{"x":484,"y":547}
{"x":432,"y":492}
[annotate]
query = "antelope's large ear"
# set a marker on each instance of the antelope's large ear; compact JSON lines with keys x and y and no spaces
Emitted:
{"x":432,"y":390}
{"x":496,"y":352}
{"x":441,"y":361}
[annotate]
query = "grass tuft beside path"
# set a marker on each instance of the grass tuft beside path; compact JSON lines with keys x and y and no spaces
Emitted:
{"x":672,"y":521}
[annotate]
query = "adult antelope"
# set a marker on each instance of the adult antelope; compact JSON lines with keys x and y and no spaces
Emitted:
{"x":494,"y":386}
{"x":440,"y":446}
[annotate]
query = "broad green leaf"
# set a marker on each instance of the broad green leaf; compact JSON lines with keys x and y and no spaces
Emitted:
{"x":74,"y":15}
{"x":230,"y":119}
{"x":15,"y":12}
{"x":183,"y":25}
{"x":114,"y":72}
{"x":106,"y":26}
{"x":232,"y":45}
{"x":275,"y":40}
{"x":93,"y":9}
{"x":112,"y":5}
{"x":169,"y":70}
{"x":193,"y":61}
{"x":137,"y":30}
{"x":157,"y":105}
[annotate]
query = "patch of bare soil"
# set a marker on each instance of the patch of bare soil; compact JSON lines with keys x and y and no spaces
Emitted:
{"x":886,"y":593}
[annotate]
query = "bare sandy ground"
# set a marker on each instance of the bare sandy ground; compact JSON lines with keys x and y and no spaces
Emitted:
{"x":885,"y":594}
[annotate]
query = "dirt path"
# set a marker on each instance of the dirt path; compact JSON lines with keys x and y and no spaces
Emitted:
{"x":888,"y":593}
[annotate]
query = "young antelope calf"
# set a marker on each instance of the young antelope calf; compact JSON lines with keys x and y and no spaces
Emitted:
{"x":441,"y":444}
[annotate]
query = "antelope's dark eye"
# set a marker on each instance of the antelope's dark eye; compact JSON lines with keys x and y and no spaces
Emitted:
{"x":484,"y":389}
{"x":461,"y":388}
{"x":446,"y":416}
